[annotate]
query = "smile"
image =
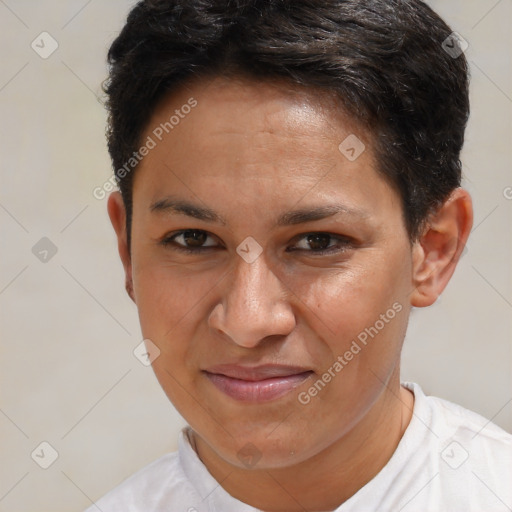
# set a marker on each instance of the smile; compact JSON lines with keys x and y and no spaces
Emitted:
{"x":260,"y":384}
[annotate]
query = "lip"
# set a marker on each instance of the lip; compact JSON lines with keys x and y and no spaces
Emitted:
{"x":256,"y":384}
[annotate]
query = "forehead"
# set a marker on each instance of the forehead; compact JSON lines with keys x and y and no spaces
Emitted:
{"x":275,"y":107}
{"x":237,"y":120}
{"x":247,"y":147}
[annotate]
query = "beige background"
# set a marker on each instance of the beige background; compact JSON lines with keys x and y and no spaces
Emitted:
{"x":68,"y":374}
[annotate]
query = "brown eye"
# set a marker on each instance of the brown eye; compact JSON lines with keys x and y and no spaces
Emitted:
{"x":190,"y":240}
{"x":319,"y":241}
{"x":194,"y":238}
{"x":322,"y":243}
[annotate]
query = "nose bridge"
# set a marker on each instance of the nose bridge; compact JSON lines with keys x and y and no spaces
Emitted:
{"x":252,"y":305}
{"x":251,"y":286}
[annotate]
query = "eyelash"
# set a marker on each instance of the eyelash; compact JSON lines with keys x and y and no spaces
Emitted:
{"x":345,"y":242}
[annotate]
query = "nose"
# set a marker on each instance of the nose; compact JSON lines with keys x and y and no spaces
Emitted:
{"x":253,"y":305}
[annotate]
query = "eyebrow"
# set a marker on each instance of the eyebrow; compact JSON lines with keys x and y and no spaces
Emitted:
{"x":319,"y":212}
{"x":178,"y":206}
{"x":300,"y":216}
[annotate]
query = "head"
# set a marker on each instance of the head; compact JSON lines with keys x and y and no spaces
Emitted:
{"x":299,"y":192}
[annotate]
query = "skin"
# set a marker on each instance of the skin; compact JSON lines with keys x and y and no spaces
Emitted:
{"x":251,"y":152}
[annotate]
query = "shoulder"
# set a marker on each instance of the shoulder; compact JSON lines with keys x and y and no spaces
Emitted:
{"x":149,"y":489}
{"x":472,"y":456}
{"x":454,"y":420}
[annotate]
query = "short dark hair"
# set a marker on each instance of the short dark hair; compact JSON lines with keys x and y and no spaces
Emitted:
{"x":383,"y":60}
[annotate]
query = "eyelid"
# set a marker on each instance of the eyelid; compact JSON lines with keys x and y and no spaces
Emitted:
{"x":169,"y":239}
{"x":342,"y":240}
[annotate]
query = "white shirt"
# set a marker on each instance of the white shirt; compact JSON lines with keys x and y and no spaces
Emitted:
{"x":448,"y":460}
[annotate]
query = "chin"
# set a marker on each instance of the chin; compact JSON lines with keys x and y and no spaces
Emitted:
{"x":264,"y":449}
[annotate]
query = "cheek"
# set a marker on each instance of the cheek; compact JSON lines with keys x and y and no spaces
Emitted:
{"x":168,"y":297}
{"x":170,"y":304}
{"x":340,"y":304}
{"x":361,"y":316}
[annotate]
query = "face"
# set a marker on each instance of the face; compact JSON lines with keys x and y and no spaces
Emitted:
{"x":266,"y":262}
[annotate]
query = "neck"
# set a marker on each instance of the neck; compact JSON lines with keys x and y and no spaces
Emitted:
{"x":332,"y":476}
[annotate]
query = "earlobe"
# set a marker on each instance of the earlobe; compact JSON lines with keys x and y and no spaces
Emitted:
{"x":436,"y":254}
{"x":117,"y":214}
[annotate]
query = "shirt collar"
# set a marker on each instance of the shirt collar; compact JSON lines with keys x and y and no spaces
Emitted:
{"x":214,"y":496}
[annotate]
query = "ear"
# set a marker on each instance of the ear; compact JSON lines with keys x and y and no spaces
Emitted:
{"x":437,"y":252}
{"x":117,"y":214}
